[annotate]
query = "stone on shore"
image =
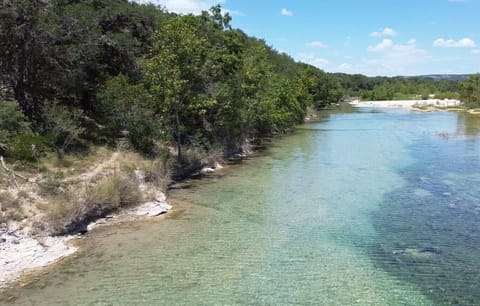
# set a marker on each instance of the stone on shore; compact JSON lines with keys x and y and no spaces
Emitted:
{"x":152,"y":208}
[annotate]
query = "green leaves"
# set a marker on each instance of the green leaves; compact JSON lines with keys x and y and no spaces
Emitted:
{"x":470,"y":91}
{"x":108,"y":69}
{"x":17,"y":140}
{"x":13,"y":123}
{"x":130,"y":108}
{"x":64,"y":126}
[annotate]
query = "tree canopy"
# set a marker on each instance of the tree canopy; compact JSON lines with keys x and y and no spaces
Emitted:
{"x":76,"y":72}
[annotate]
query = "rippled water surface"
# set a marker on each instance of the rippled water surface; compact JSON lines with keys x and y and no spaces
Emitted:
{"x":359,"y":208}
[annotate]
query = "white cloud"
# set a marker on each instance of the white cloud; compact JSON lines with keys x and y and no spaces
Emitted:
{"x":450,"y":43}
{"x":313,"y":60}
{"x":233,"y":12}
{"x":345,"y":67}
{"x":397,"y":59}
{"x":316,"y":44}
{"x":188,"y":6}
{"x":384,"y":45}
{"x":286,"y":12}
{"x":384,"y":32}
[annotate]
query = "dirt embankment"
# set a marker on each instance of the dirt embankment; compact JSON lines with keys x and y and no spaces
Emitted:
{"x":42,"y":215}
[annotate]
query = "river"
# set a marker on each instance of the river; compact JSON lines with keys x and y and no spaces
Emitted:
{"x":362,"y":207}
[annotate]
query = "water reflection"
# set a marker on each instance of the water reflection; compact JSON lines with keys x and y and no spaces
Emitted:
{"x":468,"y":124}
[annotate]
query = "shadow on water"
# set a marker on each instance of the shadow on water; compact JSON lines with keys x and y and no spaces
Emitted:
{"x":429,"y":229}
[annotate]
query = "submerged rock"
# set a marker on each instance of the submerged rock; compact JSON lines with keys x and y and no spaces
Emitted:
{"x":423,"y":254}
{"x":432,"y":250}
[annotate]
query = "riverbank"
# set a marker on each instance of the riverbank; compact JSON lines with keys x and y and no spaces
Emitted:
{"x":26,"y":246}
{"x":261,"y":243}
{"x":21,"y":254}
{"x":43,"y":215}
{"x":408,"y":104}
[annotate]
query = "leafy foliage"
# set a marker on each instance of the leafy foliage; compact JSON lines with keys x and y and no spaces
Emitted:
{"x":63,"y":124}
{"x":470,"y":91}
{"x":16,"y":137}
{"x":128,"y":107}
{"x":105,"y":70}
{"x":396,"y":88}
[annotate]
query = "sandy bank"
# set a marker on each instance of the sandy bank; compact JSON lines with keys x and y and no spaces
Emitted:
{"x":409,"y":104}
{"x":21,"y":254}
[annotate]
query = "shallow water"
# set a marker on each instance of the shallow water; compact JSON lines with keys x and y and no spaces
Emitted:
{"x":359,"y":208}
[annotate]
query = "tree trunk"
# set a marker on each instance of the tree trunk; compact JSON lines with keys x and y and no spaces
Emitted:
{"x":179,"y":138}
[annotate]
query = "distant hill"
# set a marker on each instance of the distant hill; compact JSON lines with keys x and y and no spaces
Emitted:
{"x":448,"y":77}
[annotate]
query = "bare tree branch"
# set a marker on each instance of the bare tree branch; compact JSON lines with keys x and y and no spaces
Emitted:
{"x":12,"y":173}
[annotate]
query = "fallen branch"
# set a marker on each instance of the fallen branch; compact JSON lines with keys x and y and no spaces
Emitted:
{"x":12,"y":173}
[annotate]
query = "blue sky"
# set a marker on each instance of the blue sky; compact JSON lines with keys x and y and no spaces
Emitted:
{"x":372,"y":37}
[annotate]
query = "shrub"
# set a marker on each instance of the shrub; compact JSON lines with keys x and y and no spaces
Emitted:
{"x":190,"y":163}
{"x":26,"y":147}
{"x":67,"y":212}
{"x":8,"y":202}
{"x":113,"y":193}
{"x":51,"y":185}
{"x":126,"y":110}
{"x":159,"y":173}
{"x":10,"y":208}
{"x":16,"y":138}
{"x":63,"y":126}
{"x":62,"y":214}
{"x":12,"y":120}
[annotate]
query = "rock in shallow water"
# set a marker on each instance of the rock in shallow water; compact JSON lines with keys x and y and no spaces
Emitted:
{"x":152,"y":209}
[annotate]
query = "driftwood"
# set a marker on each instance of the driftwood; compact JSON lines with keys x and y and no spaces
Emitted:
{"x":13,"y":174}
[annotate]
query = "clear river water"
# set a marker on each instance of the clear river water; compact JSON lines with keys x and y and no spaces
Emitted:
{"x":362,"y":207}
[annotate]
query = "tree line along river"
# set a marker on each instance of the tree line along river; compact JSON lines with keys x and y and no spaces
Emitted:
{"x":362,"y":207}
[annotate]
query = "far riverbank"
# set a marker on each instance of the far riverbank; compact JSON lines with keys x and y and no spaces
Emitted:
{"x":410,"y":104}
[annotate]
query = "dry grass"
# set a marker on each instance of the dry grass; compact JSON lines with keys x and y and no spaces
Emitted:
{"x":114,"y":192}
{"x":66,"y":212}
{"x":71,"y":192}
{"x":51,"y":185}
{"x":7,"y":201}
{"x":76,"y":164}
{"x":10,"y":208}
{"x":159,"y":173}
{"x":60,"y":213}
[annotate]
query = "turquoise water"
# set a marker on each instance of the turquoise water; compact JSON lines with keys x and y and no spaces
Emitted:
{"x":365,"y":207}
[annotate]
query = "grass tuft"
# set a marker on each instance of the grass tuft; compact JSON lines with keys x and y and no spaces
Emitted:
{"x":66,"y":212}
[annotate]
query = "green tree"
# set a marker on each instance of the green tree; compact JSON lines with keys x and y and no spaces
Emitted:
{"x":12,"y":123}
{"x":127,"y":107}
{"x":470,"y":91}
{"x":323,"y":88}
{"x":27,"y":54}
{"x":172,"y":73}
